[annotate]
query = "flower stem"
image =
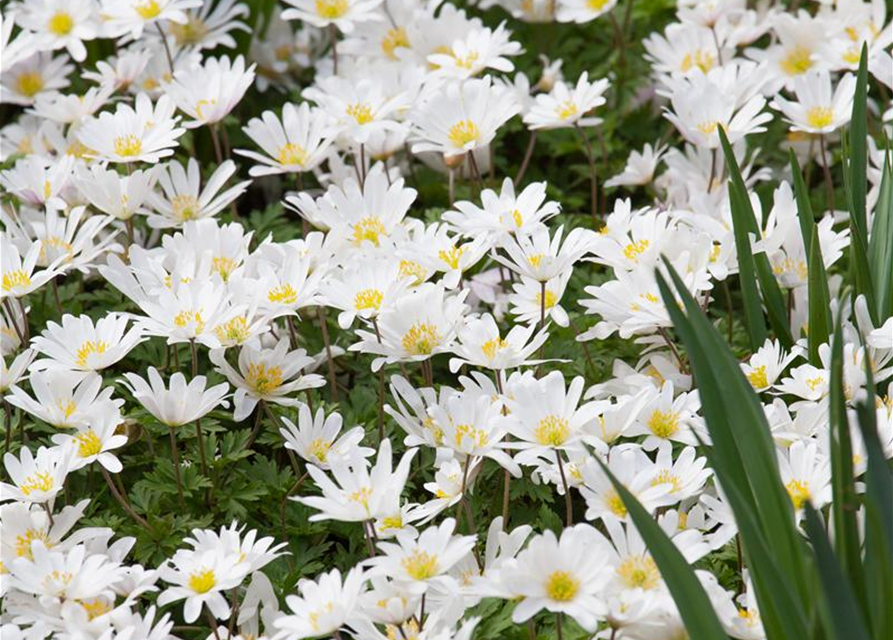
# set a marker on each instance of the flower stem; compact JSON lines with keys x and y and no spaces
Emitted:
{"x":568,"y":503}
{"x":528,"y":154}
{"x":333,"y":381}
{"x":829,"y":181}
{"x":175,"y":454}
{"x":167,"y":48}
{"x":123,"y":501}
{"x":593,"y":178}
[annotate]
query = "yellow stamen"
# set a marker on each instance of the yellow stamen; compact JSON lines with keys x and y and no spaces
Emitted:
{"x":561,"y":586}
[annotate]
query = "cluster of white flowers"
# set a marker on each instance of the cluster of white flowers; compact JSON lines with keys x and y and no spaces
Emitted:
{"x":105,"y":185}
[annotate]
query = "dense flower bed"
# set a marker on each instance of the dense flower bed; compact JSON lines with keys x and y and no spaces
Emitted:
{"x":395,"y":319}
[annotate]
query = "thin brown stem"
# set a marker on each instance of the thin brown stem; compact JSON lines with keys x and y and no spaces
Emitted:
{"x":528,"y":154}
{"x":167,"y":48}
{"x":593,"y":177}
{"x":829,"y":181}
{"x":175,"y":454}
{"x":218,"y":152}
{"x":333,"y":380}
{"x":568,"y":502}
{"x":123,"y":502}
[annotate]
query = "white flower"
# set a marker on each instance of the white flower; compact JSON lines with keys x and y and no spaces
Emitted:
{"x":295,"y":144}
{"x":420,"y":324}
{"x":567,"y":106}
{"x":340,"y":13}
{"x":806,"y":474}
{"x":22,"y":82}
{"x":582,"y":11}
{"x":564,"y":575}
{"x":146,"y":133}
{"x":132,"y":16}
{"x":324,"y":606}
{"x":95,"y":443}
{"x":80,"y":345}
{"x":316,"y":437}
{"x":64,"y":399}
{"x":202,"y":578}
{"x":181,"y":402}
{"x":35,"y":479}
{"x":640,"y":167}
{"x":207,"y":93}
{"x":119,"y":196}
{"x":474,"y":52}
{"x":419,"y":563}
{"x":462,"y":117}
{"x":61,"y":24}
{"x":269,"y":375}
{"x":183,"y":199}
{"x":480,"y":345}
{"x":355,"y":493}
{"x":816,"y":109}
{"x":766,"y":364}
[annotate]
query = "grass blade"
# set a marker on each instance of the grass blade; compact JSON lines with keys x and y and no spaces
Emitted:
{"x":819,"y":299}
{"x":745,"y":223}
{"x":691,"y":599}
{"x":844,"y":619}
{"x":880,"y":245}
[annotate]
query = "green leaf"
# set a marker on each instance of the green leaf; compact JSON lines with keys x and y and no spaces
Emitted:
{"x":880,"y":245}
{"x":743,"y":432}
{"x":878,"y":503}
{"x":845,"y":505}
{"x":804,"y":207}
{"x":819,"y":299}
{"x":844,"y":618}
{"x":745,"y":223}
{"x":688,"y":593}
{"x":858,"y":150}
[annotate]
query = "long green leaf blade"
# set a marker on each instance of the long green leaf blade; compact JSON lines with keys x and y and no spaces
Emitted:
{"x":688,"y":593}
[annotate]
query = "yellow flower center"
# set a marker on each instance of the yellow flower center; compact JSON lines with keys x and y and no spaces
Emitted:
{"x":391,"y":522}
{"x":185,"y":206}
{"x":814,"y":383}
{"x":362,"y":496}
{"x":463,"y":133}
{"x":701,"y":59}
{"x":420,"y":565}
{"x":468,"y":61}
{"x":15,"y":279}
{"x":492,"y":347}
{"x":478,"y":437}
{"x":368,"y":299}
{"x":819,"y":117}
{"x":202,"y":581}
{"x":89,"y":348}
{"x":60,"y":24}
{"x":190,"y":32}
{"x":451,"y":256}
{"x":128,"y":146}
{"x":799,"y":493}
{"x":421,"y":339}
{"x":23,"y":542}
{"x":263,"y":379}
{"x":552,"y":431}
{"x":666,"y":477}
{"x":615,"y":503}
{"x":235,"y":331}
{"x":758,"y":378}
{"x":96,"y":608}
{"x":708,"y":127}
{"x":77,"y":149}
{"x":319,"y":448}
{"x":394,"y":39}
{"x":368,"y":229}
{"x":412,"y":269}
{"x":67,"y":407}
{"x":596,"y":5}
{"x":283,"y":294}
{"x":292,"y":154}
{"x":561,"y":586}
{"x":663,"y":425}
{"x":567,"y":109}
{"x":89,"y":444}
{"x":189,"y":317}
{"x":41,"y":481}
{"x":30,"y":83}
{"x":798,"y":61}
{"x":224,"y":266}
{"x":634,"y":249}
{"x":639,"y":572}
{"x":331,"y":9}
{"x":148,"y":9}
{"x":535,"y":259}
{"x":201,"y":104}
{"x":551,"y":299}
{"x":360,"y":112}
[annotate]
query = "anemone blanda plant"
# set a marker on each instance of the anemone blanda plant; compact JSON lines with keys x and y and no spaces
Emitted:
{"x":659,"y":408}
